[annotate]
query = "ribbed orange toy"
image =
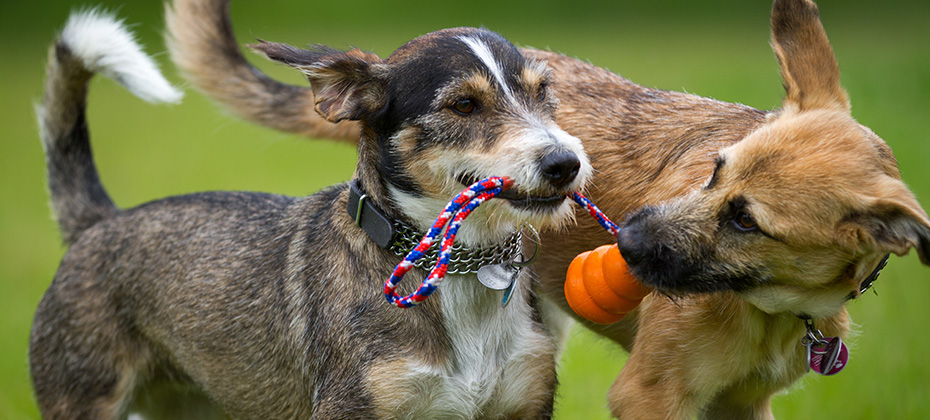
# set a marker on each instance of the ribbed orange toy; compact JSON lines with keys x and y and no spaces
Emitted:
{"x":599,"y":287}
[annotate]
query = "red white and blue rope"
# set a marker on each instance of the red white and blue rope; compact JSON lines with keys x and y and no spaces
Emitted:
{"x":454,"y":213}
{"x":596,"y":213}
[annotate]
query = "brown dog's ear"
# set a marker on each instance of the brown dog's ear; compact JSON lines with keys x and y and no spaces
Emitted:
{"x":894,"y":223}
{"x":345,"y":84}
{"x":808,"y":67}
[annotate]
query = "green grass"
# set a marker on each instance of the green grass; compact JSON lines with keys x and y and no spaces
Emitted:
{"x":715,"y":48}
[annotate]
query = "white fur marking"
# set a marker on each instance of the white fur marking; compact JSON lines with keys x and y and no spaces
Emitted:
{"x":104,"y":45}
{"x":494,"y":348}
{"x":483,"y":52}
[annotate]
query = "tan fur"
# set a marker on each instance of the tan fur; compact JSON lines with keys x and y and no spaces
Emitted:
{"x":535,"y":76}
{"x":249,"y":92}
{"x":826,"y":190}
{"x":476,"y":83}
{"x":383,"y":379}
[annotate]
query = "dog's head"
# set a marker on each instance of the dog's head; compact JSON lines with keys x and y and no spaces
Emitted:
{"x":797,"y":214}
{"x":443,"y":111}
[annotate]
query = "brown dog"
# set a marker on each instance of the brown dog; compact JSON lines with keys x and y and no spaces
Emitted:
{"x":754,"y":220}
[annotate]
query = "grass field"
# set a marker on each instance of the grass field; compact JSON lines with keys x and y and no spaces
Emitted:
{"x":712,"y":48}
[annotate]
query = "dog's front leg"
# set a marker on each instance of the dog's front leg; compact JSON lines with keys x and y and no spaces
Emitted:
{"x":643,"y":391}
{"x":734,"y":403}
{"x":661,"y":379}
{"x":690,"y":358}
{"x":635,"y":396}
{"x":704,"y":356}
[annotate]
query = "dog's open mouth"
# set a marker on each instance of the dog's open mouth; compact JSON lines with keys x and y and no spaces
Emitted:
{"x":522,"y":199}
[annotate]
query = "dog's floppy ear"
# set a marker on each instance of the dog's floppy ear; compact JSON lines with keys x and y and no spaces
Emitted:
{"x":808,"y":67}
{"x":346,"y":84}
{"x":893,"y":223}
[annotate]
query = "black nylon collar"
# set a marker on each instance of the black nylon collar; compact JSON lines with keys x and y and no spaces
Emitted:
{"x":867,"y":283}
{"x":379,"y":227}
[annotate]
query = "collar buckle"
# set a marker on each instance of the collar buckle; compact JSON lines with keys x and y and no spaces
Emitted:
{"x":368,"y":217}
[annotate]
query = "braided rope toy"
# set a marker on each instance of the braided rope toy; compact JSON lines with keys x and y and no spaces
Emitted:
{"x":597,"y":214}
{"x":457,"y":210}
{"x":453,"y":214}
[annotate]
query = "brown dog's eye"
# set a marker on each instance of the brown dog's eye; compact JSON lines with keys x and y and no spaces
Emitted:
{"x":465,"y":106}
{"x":745,"y":222}
{"x":543,"y":91}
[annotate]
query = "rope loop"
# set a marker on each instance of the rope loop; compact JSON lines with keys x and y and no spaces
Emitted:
{"x":453,"y":214}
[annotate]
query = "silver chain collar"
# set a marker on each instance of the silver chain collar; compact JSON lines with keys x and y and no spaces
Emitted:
{"x":463,"y":260}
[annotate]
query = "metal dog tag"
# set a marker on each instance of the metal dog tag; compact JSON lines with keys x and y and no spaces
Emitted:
{"x":828,"y":358}
{"x":498,"y":276}
{"x":509,"y":292}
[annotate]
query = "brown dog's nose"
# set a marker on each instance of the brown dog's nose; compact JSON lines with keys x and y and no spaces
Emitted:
{"x":560,"y":167}
{"x":629,"y":241}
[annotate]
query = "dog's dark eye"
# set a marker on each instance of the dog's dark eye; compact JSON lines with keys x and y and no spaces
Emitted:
{"x":745,"y":222}
{"x":465,"y":106}
{"x":543,"y":91}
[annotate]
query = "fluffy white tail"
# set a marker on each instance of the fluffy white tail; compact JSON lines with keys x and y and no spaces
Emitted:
{"x":103,"y":45}
{"x":91,"y":42}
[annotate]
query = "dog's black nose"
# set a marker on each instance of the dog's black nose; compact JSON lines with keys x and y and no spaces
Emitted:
{"x":630,"y":243}
{"x":560,"y":167}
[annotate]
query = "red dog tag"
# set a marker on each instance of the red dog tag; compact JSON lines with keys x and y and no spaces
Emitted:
{"x":830,"y":357}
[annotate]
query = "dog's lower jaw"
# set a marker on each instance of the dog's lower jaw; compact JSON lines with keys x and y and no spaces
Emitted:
{"x":776,"y":297}
{"x":702,"y":374}
{"x":780,"y":299}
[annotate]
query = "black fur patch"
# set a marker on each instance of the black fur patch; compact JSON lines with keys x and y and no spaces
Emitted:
{"x":718,"y":163}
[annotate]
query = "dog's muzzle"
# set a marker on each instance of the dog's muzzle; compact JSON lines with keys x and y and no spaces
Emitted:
{"x":658,"y":261}
{"x":558,"y":169}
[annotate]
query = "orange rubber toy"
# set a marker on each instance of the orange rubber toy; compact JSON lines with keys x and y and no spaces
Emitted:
{"x":600,"y":288}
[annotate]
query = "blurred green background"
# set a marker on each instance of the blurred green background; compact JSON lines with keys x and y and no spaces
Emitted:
{"x":712,"y":48}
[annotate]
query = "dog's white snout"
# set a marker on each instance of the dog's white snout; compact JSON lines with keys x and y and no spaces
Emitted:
{"x":542,"y":159}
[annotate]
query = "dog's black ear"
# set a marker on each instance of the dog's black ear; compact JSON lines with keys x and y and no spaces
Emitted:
{"x":345,"y":84}
{"x":808,"y":66}
{"x":894,"y":223}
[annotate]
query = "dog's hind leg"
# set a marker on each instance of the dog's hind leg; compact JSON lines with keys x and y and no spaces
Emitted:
{"x":81,"y":360}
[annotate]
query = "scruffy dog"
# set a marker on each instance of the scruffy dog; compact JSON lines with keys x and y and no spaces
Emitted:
{"x":755,"y":221}
{"x":259,"y":306}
